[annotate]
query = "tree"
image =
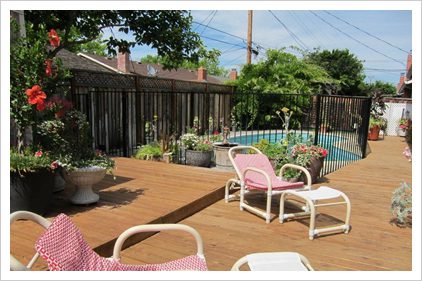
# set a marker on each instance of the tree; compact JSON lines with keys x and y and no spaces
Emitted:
{"x":342,"y":66}
{"x":167,"y":31}
{"x":208,"y":59}
{"x":265,"y":87}
{"x":386,"y":89}
{"x":282,"y":72}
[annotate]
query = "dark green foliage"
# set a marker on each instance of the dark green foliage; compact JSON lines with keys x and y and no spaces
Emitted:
{"x":167,"y":31}
{"x":342,"y":66}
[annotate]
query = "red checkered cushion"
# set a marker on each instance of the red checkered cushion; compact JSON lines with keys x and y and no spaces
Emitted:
{"x":254,"y":180}
{"x":64,"y":248}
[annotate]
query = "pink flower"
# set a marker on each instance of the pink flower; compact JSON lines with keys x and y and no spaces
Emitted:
{"x":38,"y":153}
{"x":54,"y":165}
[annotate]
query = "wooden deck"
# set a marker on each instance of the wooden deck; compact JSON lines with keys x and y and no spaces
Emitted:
{"x":143,"y":192}
{"x":373,"y":243}
{"x":150,"y":192}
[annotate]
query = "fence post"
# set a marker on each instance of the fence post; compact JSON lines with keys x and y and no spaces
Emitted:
{"x":317,"y":118}
{"x":125,"y":124}
{"x":365,"y":125}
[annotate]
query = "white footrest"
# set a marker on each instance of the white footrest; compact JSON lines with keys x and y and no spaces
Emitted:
{"x":322,"y":193}
{"x":311,"y":197}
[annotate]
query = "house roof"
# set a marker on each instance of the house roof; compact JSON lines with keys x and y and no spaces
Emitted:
{"x":141,"y":69}
{"x":73,"y":61}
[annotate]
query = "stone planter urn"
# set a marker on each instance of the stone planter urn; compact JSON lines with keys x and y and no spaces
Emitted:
{"x":84,"y":179}
{"x":198,"y":158}
{"x":221,"y":152}
{"x":31,"y":191}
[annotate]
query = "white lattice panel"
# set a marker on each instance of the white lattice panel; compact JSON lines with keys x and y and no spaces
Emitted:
{"x":394,"y":112}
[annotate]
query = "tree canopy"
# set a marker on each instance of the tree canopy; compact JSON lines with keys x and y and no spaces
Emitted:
{"x":208,"y":59}
{"x":282,"y":72}
{"x":386,"y":89}
{"x":167,"y":31}
{"x":342,"y":66}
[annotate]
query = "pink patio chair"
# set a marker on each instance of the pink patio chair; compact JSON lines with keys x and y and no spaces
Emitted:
{"x":254,"y":173}
{"x":64,"y":248}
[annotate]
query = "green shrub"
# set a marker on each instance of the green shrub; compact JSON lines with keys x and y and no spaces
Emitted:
{"x":29,"y":161}
{"x":148,"y":151}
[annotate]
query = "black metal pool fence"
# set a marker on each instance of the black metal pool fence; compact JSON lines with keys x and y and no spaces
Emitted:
{"x":118,"y":117}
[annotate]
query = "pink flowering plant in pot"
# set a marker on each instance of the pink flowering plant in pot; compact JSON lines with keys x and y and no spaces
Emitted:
{"x":311,"y":157}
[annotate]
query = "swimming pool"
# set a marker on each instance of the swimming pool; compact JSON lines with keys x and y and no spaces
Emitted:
{"x":326,"y":141}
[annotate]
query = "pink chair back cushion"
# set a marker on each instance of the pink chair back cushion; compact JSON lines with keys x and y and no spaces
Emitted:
{"x":64,"y":248}
{"x":254,"y":180}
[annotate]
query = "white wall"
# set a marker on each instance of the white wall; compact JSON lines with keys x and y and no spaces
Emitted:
{"x":394,"y":112}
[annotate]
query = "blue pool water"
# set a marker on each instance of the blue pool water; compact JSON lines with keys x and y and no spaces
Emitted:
{"x":326,"y":141}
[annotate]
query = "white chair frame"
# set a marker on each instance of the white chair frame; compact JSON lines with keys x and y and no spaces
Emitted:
{"x":16,"y":265}
{"x":310,"y":211}
{"x":244,"y":260}
{"x":239,"y":180}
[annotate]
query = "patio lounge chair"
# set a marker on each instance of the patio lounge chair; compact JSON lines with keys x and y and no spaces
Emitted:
{"x":254,"y":173}
{"x":64,"y":248}
{"x":274,"y":261}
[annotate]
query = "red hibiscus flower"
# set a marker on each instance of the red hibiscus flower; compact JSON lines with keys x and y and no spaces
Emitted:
{"x":54,"y":38}
{"x":48,"y":63}
{"x":38,"y":153}
{"x":36,"y":96}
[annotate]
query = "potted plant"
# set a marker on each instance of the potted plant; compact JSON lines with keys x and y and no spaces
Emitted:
{"x":69,"y":141}
{"x":274,"y":151}
{"x":31,"y":180}
{"x":403,"y":126}
{"x":376,"y":122}
{"x":34,"y":77}
{"x":311,"y":157}
{"x":198,"y":150}
{"x":148,"y":152}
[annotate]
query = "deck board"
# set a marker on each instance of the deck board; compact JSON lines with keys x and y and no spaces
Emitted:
{"x":373,"y":243}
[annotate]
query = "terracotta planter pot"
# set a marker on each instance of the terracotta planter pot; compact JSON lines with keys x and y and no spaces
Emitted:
{"x":32,"y":191}
{"x":315,"y":168}
{"x":198,"y":158}
{"x":373,"y":133}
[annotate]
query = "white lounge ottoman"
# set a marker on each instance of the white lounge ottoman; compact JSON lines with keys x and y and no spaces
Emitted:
{"x":312,"y":200}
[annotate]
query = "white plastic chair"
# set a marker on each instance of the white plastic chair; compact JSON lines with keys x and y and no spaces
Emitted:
{"x":62,"y":245}
{"x":274,"y":261}
{"x":254,"y":173}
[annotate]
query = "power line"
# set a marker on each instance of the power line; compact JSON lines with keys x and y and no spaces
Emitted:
{"x":305,"y":28}
{"x":354,"y":39}
{"x":204,"y":20}
{"x":209,"y":22}
{"x":224,"y":42}
{"x":364,"y":31}
{"x":233,"y":35}
{"x":298,"y":41}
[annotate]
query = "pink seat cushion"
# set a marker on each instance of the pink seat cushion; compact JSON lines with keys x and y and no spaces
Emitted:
{"x":254,"y":180}
{"x":64,"y":248}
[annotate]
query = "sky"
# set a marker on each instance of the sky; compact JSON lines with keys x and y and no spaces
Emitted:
{"x":381,"y":39}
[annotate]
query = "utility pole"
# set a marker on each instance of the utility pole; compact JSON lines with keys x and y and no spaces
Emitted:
{"x":249,"y":49}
